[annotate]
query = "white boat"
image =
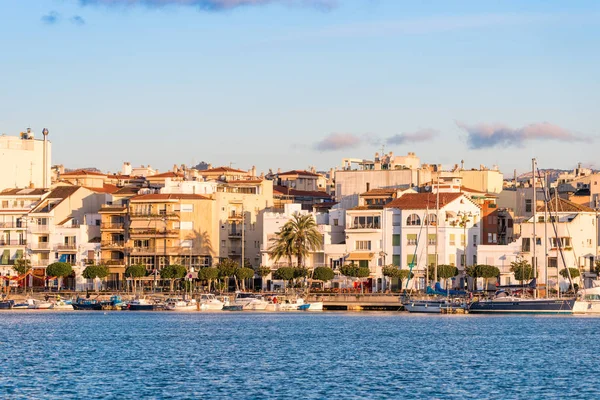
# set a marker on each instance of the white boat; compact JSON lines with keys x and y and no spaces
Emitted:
{"x":250,"y":301}
{"x":315,"y":306}
{"x":291,"y":305}
{"x":588,"y":300}
{"x":38,"y":304}
{"x":210,"y":303}
{"x":62,"y":305}
{"x":425,"y":306}
{"x":181,"y":305}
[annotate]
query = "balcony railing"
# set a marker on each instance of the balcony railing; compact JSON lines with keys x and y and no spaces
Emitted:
{"x":153,"y":214}
{"x":39,"y":228}
{"x":235,"y":234}
{"x":152,"y":232}
{"x":40,"y":246}
{"x":235,"y":215}
{"x":9,"y":225}
{"x":364,"y":226}
{"x":143,"y":250}
{"x":113,"y":225}
{"x":13,"y":242}
{"x":234,"y":250}
{"x":112,"y":261}
{"x":66,"y":247}
{"x":112,"y":243}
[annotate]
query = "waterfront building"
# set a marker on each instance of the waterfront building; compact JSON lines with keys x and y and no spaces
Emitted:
{"x":164,"y":229}
{"x":25,"y":162}
{"x":417,"y":233}
{"x":567,"y":226}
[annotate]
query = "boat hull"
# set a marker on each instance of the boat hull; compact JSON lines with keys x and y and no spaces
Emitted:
{"x":535,"y":306}
{"x":233,"y":308}
{"x":87,"y":307}
{"x":6,"y":304}
{"x":141,"y":307}
{"x":424,"y":307}
{"x":211,"y":306}
{"x":586,"y":307}
{"x":316,"y":306}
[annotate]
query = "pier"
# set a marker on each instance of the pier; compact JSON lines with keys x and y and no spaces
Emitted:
{"x":359,"y":302}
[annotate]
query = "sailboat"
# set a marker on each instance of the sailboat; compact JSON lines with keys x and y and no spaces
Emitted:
{"x":504,"y":302}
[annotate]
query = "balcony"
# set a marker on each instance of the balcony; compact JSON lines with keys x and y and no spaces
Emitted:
{"x":159,"y":251}
{"x":113,"y":226}
{"x":234,"y":250}
{"x":161,"y":214}
{"x":111,"y":261}
{"x":365,"y":226}
{"x":15,"y":243}
{"x":143,"y":250}
{"x":39,"y":228}
{"x":13,"y":225}
{"x":148,"y":232}
{"x":235,"y":235}
{"x":108,"y":208}
{"x":235,"y":215}
{"x":66,"y":247}
{"x":112,"y":244}
{"x":40,"y":246}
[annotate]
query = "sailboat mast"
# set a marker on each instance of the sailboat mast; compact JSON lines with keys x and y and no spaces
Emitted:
{"x":427,"y":244}
{"x":534,"y":205}
{"x":546,"y":231}
{"x":437,"y":223}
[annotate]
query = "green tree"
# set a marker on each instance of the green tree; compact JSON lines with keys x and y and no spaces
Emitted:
{"x":597,"y":267}
{"x":263,"y":272}
{"x":487,"y":272}
{"x":473,"y":272}
{"x":574,"y":275}
{"x":299,"y":236}
{"x":354,"y":271}
{"x":522,"y":270}
{"x":95,"y":271}
{"x":135,"y":272}
{"x":447,"y":271}
{"x":172,"y":273}
{"x":243,"y":274}
{"x":227,"y":268}
{"x":285,"y":273}
{"x":209,"y":274}
{"x":22,"y":266}
{"x":60,"y":270}
{"x":404,"y":274}
{"x":323,"y":274}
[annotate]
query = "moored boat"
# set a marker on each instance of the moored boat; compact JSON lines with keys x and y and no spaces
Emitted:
{"x":62,"y":305}
{"x":250,"y":301}
{"x":315,"y":306}
{"x":425,"y":306}
{"x":87,"y":304}
{"x":6,"y":304}
{"x":179,"y":304}
{"x":141,"y":305}
{"x":505,"y":303}
{"x":209,"y":302}
{"x":588,"y":300}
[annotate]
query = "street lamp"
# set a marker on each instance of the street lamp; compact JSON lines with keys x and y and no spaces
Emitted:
{"x":464,"y":219}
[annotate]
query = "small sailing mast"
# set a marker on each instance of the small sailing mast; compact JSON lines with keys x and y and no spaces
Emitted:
{"x":534,"y":203}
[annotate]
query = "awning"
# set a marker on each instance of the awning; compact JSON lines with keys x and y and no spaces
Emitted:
{"x":358,"y":256}
{"x":5,"y":257}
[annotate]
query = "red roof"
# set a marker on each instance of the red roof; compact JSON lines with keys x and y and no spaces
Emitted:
{"x":223,"y":170}
{"x":168,"y":196}
{"x":80,"y":172}
{"x":298,"y":172}
{"x":246,"y":181}
{"x":422,"y":201}
{"x":169,"y":174}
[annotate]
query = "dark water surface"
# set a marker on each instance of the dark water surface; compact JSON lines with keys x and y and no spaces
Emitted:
{"x":128,"y":355}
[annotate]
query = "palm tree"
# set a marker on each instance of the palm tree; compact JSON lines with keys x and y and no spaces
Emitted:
{"x":297,"y":237}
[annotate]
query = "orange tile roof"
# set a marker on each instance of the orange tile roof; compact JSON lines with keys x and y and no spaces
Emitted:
{"x":285,"y":191}
{"x":169,"y":174}
{"x":564,"y":206}
{"x":379,"y":192}
{"x":168,"y":196}
{"x":222,"y":169}
{"x":422,"y":201}
{"x":298,"y":172}
{"x":246,"y":181}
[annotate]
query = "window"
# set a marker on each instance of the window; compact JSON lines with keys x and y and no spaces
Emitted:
{"x":431,"y":259}
{"x":362,"y":245}
{"x":474,"y":260}
{"x":363,"y":264}
{"x":396,"y":260}
{"x":222,"y":243}
{"x":494,"y":238}
{"x":538,"y":241}
{"x":366,"y":222}
{"x":452,"y":239}
{"x":453,"y":260}
{"x":395,"y":240}
{"x":411,"y":260}
{"x":396,"y":220}
{"x":562,"y":242}
{"x":489,"y":239}
{"x":413,"y":219}
{"x":462,"y":240}
{"x":528,"y":205}
{"x":552,"y":262}
{"x":336,"y":222}
{"x":526,"y":245}
{"x":189,"y":225}
{"x":187,"y":208}
{"x":411,"y":239}
{"x":431,"y":220}
{"x":432,"y":239}
{"x":462,"y":260}
{"x":474,"y":240}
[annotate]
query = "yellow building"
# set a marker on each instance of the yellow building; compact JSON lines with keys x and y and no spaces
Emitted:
{"x":165,"y":229}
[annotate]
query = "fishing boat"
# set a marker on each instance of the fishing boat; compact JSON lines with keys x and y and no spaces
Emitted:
{"x":141,"y":305}
{"x":425,"y":306}
{"x":178,"y":304}
{"x":38,"y":304}
{"x":250,"y":301}
{"x":504,"y":302}
{"x":227,"y":306}
{"x":210,"y":302}
{"x":87,"y":304}
{"x":315,"y":306}
{"x":61,"y":304}
{"x":114,"y":303}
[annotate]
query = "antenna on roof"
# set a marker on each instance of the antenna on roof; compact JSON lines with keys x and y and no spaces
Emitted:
{"x":230,"y":164}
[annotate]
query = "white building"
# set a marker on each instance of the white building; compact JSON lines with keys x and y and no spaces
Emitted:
{"x":24,"y":161}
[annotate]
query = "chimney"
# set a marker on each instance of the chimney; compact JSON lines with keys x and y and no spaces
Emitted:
{"x":209,"y":166}
{"x":462,"y":165}
{"x":253,"y":171}
{"x":126,"y":169}
{"x":278,"y":170}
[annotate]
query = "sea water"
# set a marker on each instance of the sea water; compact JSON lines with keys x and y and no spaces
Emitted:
{"x":161,"y":355}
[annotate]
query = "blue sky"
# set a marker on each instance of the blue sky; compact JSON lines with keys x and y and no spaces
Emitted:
{"x":293,"y":83}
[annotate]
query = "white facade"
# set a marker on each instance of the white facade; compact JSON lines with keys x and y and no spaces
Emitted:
{"x":25,"y":162}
